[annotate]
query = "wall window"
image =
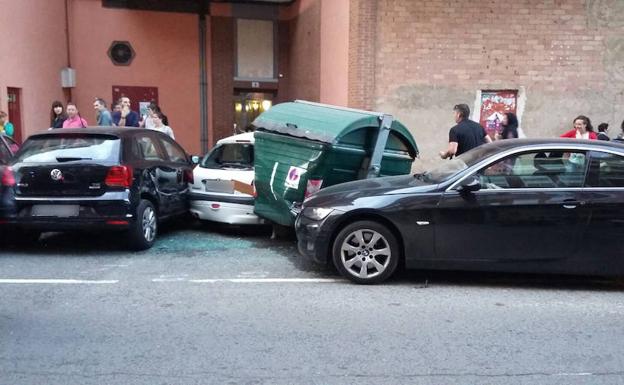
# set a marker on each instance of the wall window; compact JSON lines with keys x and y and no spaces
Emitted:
{"x":255,"y":49}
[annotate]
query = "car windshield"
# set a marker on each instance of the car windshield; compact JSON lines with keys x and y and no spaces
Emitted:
{"x":68,"y":148}
{"x":230,"y":155}
{"x":447,"y":168}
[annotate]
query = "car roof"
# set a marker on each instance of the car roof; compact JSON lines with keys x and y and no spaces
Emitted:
{"x":513,"y":143}
{"x":245,"y":137}
{"x":110,"y":130}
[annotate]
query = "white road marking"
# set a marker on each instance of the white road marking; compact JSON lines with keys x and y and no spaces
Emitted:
{"x":57,"y":281}
{"x":574,"y":374}
{"x":266,"y":280}
{"x":249,"y":280}
{"x":173,"y":279}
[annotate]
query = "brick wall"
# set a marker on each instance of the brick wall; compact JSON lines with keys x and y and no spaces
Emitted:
{"x":567,"y":57}
{"x":222,"y":51}
{"x":362,"y":47}
{"x":283,"y":61}
{"x":304,"y":59}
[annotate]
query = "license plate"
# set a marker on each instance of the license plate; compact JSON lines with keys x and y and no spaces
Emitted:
{"x":55,"y":211}
{"x":219,"y":186}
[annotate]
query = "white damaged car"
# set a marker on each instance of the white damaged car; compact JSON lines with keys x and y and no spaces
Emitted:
{"x":222,"y":188}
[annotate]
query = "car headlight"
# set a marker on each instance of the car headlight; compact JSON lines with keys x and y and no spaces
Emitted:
{"x":316,"y":213}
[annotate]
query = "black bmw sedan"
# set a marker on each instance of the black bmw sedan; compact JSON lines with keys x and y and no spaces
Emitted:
{"x":535,"y":206}
{"x":99,"y":178}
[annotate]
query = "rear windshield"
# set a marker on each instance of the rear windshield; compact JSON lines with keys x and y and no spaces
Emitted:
{"x":230,"y":155}
{"x":65,"y":148}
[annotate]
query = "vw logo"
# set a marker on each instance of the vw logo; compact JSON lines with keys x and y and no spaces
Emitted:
{"x":56,"y":174}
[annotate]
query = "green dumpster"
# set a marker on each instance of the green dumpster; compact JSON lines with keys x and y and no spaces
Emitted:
{"x":302,"y":146}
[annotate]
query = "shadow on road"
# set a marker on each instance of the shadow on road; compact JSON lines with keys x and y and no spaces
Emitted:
{"x":432,"y":278}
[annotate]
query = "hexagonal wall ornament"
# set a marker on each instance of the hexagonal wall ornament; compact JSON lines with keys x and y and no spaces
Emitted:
{"x":121,"y":53}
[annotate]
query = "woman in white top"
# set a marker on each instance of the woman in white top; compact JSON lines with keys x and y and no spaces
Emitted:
{"x":157,"y":118}
{"x":147,"y":120}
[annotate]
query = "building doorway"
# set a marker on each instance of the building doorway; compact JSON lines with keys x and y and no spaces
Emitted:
{"x":247,"y":107}
{"x":14,"y":97}
{"x":140,"y":97}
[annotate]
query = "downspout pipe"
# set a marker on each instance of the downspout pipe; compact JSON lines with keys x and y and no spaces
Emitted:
{"x":67,"y":42}
{"x":203,"y":80}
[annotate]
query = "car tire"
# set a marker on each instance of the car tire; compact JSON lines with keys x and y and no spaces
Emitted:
{"x":142,"y":234}
{"x":366,"y":252}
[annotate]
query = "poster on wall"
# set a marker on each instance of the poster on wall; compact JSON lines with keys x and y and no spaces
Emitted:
{"x":494,"y":104}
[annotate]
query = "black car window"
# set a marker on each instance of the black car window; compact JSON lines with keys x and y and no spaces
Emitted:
{"x":148,"y":148}
{"x":537,"y":169}
{"x":233,"y":155}
{"x":606,"y":170}
{"x":67,"y":148}
{"x":174,"y":151}
{"x":5,"y":154}
{"x":448,"y":169}
{"x":13,"y":146}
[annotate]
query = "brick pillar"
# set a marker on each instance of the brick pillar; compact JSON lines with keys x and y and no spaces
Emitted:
{"x":362,"y":51}
{"x":222,"y":32}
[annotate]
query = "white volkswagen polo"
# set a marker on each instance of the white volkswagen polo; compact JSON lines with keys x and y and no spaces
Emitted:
{"x":222,"y":183}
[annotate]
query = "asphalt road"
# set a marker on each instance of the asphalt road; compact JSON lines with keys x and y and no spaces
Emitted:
{"x":212,"y":306}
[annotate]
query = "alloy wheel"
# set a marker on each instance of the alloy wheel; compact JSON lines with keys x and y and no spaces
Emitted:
{"x":365,"y":253}
{"x":149,"y":224}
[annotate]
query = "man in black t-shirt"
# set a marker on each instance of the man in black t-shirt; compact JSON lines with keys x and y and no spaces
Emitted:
{"x":465,"y":135}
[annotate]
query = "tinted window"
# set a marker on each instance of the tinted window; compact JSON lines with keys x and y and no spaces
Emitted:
{"x":148,"y":149}
{"x":5,"y":154}
{"x":235,"y":155}
{"x":447,"y":169}
{"x":12,"y":144}
{"x":66,"y":148}
{"x":539,"y":169}
{"x":606,"y":170}
{"x":175,"y":153}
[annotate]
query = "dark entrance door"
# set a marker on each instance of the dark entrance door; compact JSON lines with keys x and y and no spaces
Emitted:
{"x":15,"y":112}
{"x":140,"y":97}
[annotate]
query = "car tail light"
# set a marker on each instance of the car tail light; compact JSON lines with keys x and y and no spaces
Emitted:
{"x":8,"y":179}
{"x":188,"y":176}
{"x":119,"y":176}
{"x":255,"y":192}
{"x":215,"y":206}
{"x":313,"y":186}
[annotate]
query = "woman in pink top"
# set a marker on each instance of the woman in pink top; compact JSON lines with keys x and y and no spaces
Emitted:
{"x":582,"y":129}
{"x":74,"y":120}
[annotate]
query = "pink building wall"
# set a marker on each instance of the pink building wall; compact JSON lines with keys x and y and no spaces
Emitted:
{"x":33,"y":54}
{"x":334,"y":52}
{"x":304,"y":55}
{"x":167,"y":57}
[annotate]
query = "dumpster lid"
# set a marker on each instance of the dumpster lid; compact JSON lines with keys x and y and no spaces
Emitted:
{"x":323,"y":122}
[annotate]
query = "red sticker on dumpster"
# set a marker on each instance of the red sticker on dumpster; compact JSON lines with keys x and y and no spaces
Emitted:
{"x":314,"y":185}
{"x":293,"y":177}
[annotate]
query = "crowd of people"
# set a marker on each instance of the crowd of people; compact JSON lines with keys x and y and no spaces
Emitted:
{"x":121,"y":115}
{"x":468,"y":134}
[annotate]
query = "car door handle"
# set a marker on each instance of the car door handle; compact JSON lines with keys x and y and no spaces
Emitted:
{"x":571,"y":203}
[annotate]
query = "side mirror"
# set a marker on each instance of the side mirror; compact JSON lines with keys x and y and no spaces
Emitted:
{"x":470,"y":184}
{"x":195,"y":159}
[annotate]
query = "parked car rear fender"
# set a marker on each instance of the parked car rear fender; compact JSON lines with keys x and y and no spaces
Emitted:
{"x":151,"y":198}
